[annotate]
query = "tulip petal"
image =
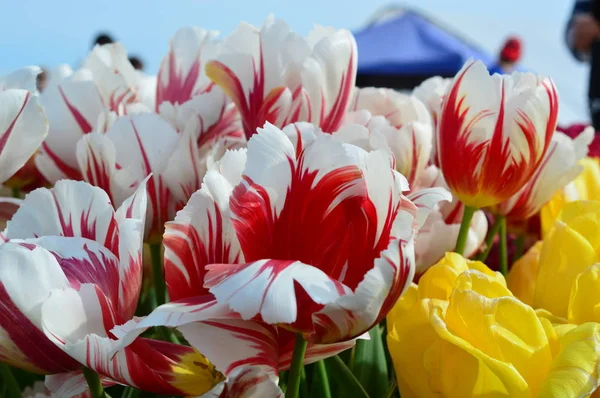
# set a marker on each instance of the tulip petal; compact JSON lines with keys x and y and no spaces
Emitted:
{"x":201,"y":234}
{"x":283,"y":202}
{"x":70,"y":209}
{"x":249,"y":382}
{"x":574,"y":372}
{"x":181,"y":74}
{"x":24,"y":79}
{"x":27,"y":276}
{"x":72,"y":108}
{"x":71,"y":384}
{"x":149,"y":365}
{"x":23,"y":127}
{"x":522,"y":277}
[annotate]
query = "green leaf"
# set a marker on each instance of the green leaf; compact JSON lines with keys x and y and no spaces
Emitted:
{"x":370,"y":364}
{"x":342,"y":380}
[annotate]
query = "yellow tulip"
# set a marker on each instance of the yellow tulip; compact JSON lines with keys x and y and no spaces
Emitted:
{"x":585,"y":187}
{"x":461,"y":333}
{"x":553,"y":275}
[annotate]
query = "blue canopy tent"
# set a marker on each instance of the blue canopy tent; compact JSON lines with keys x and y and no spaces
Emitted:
{"x":401,"y":47}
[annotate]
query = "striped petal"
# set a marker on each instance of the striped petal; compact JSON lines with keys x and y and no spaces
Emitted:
{"x":247,"y":383}
{"x":27,"y":277}
{"x":144,"y":145}
{"x":116,"y":79}
{"x":72,"y":107}
{"x":70,"y":209}
{"x":181,"y":74}
{"x":487,"y":121}
{"x":70,"y":384}
{"x":559,"y":167}
{"x":23,"y":127}
{"x":328,"y":76}
{"x":293,"y":203}
{"x":201,"y":234}
{"x":154,"y":366}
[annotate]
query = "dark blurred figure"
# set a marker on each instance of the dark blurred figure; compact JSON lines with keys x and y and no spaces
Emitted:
{"x":583,"y":39}
{"x":509,"y":56}
{"x":42,"y":80}
{"x":102,"y":39}
{"x":136,"y":62}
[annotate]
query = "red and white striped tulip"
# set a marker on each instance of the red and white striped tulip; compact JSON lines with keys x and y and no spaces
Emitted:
{"x":275,"y":76}
{"x":181,"y":76}
{"x":559,"y":167}
{"x":493,"y":132}
{"x":310,"y":211}
{"x":73,"y":271}
{"x":23,"y":125}
{"x":106,"y":84}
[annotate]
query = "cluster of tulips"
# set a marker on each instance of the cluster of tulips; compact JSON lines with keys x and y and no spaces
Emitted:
{"x":248,"y":223}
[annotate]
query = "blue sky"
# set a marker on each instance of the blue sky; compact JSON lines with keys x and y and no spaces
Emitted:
{"x":60,"y":31}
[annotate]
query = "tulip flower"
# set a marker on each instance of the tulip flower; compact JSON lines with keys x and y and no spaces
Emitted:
{"x":181,"y":75}
{"x":488,"y":150}
{"x":290,"y":191}
{"x":72,"y":271}
{"x":399,"y":109}
{"x":586,"y":186}
{"x":440,"y":231}
{"x":275,"y":76}
{"x":106,"y":83}
{"x":431,"y":92}
{"x":408,"y":132}
{"x":462,"y":333}
{"x":560,"y":274}
{"x":559,"y":167}
{"x":23,"y":124}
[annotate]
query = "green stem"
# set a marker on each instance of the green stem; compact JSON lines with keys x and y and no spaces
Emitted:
{"x":321,"y":380}
{"x":296,"y":366}
{"x":94,"y":383}
{"x":503,"y":246}
{"x":520,"y":245}
{"x":342,"y":368}
{"x":303,"y":383}
{"x":391,"y":389}
{"x":489,"y":241}
{"x":9,"y":381}
{"x":463,"y":233}
{"x":158,"y":278}
{"x":16,"y":193}
{"x":131,"y":392}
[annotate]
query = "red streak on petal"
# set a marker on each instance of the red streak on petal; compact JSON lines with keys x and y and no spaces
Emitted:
{"x":79,"y":118}
{"x":11,"y":126}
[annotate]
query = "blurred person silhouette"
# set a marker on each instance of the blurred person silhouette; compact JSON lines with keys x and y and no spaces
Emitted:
{"x":509,"y":56}
{"x":41,"y":80}
{"x":136,"y":62}
{"x":102,"y":38}
{"x":583,"y":39}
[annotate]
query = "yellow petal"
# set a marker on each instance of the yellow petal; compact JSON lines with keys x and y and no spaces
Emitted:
{"x":460,"y":355}
{"x":503,"y":330}
{"x":574,"y":372}
{"x":410,"y":336}
{"x":550,"y":212}
{"x":523,"y":274}
{"x":584,"y":305}
{"x":587,"y":185}
{"x":563,"y":256}
{"x":439,"y":280}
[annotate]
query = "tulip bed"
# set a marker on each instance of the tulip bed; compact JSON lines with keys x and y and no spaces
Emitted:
{"x":248,"y":223}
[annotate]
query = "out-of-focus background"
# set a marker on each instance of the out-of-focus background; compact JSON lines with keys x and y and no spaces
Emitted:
{"x":61,"y":31}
